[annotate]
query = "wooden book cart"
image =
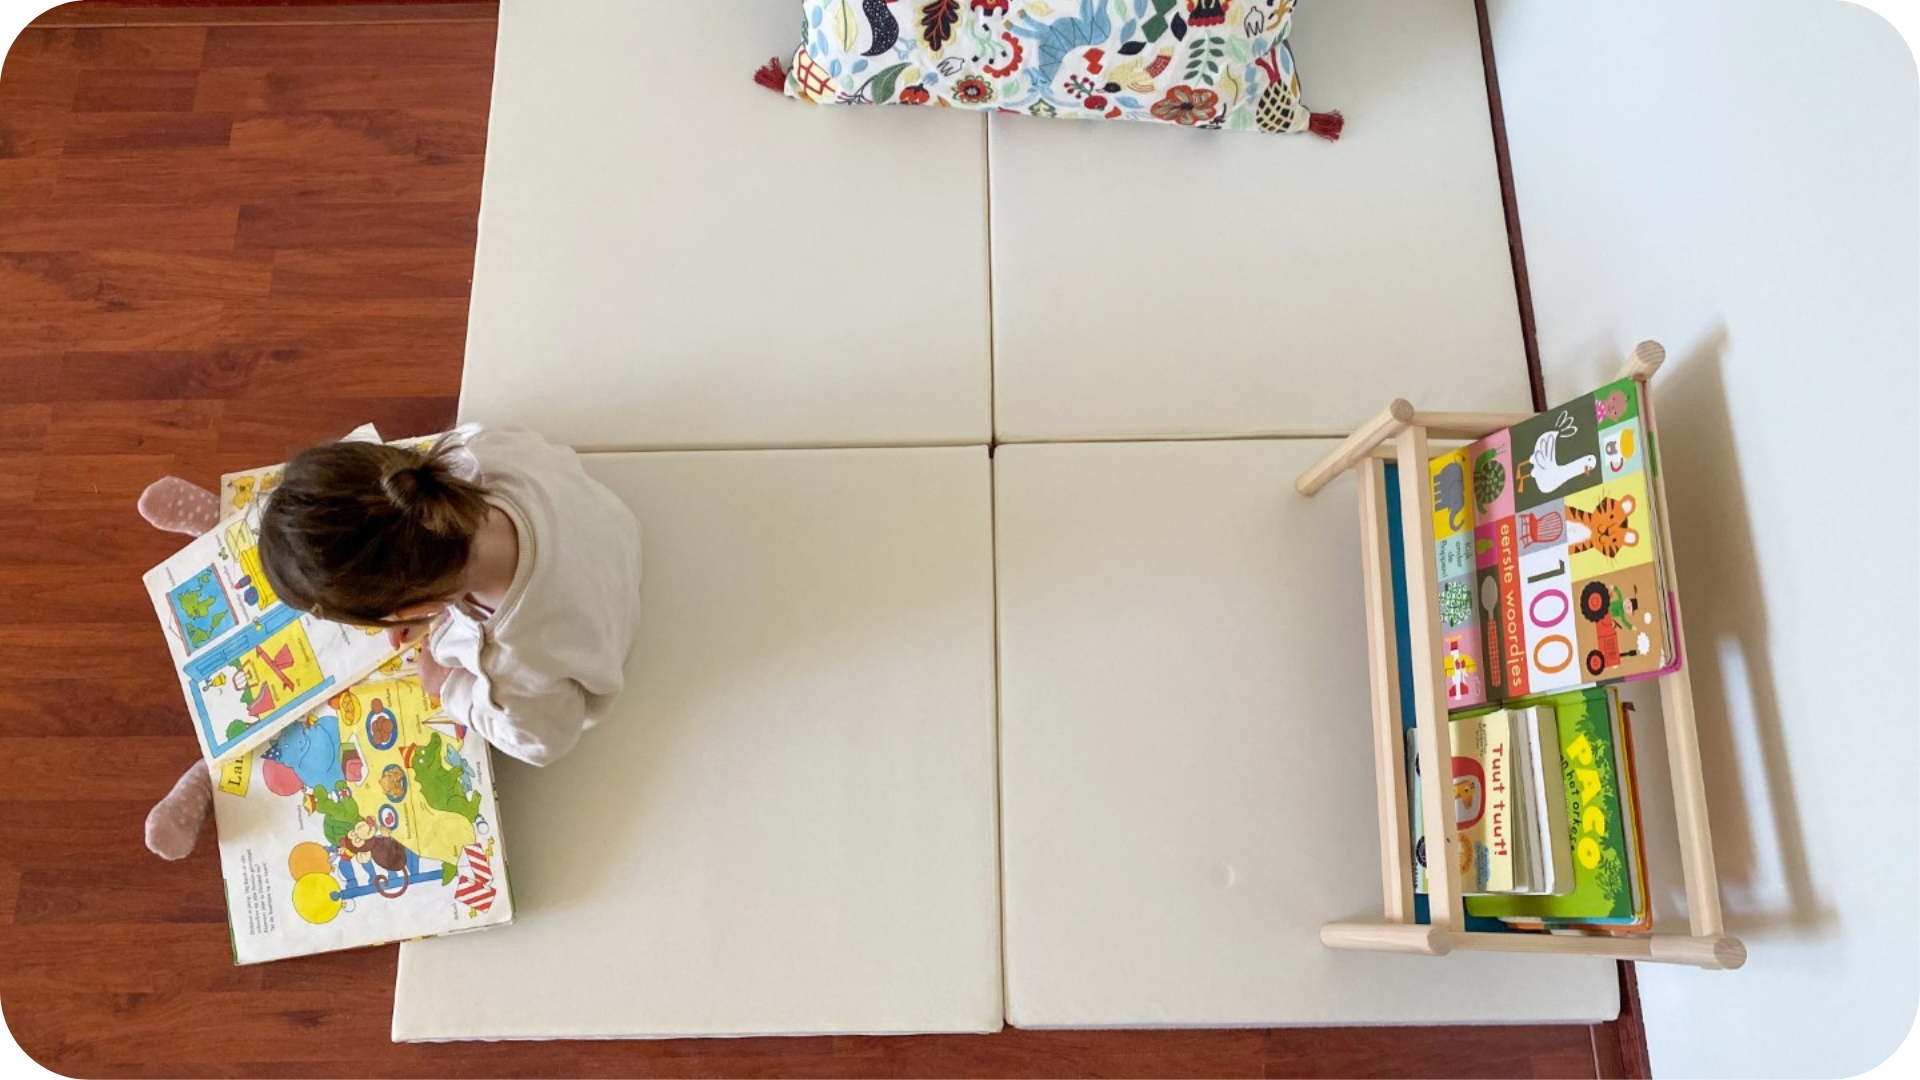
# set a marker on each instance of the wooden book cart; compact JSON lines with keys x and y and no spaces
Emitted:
{"x":1366,"y":453}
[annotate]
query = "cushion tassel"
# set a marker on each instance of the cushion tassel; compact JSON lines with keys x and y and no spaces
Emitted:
{"x":1327,"y":125}
{"x":772,"y":76}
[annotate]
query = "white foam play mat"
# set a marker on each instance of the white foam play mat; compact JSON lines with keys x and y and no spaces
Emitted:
{"x":788,"y":336}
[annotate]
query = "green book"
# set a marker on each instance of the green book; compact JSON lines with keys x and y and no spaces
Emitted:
{"x":1596,"y":828}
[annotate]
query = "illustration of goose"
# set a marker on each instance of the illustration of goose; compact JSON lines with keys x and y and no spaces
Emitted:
{"x":1544,"y":468}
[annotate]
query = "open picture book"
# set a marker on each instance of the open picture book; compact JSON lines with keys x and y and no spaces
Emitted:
{"x":352,"y":810}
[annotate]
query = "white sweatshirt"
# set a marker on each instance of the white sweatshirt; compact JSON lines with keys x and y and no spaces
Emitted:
{"x":545,"y":665}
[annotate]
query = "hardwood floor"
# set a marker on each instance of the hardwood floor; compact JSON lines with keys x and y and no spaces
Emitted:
{"x":227,"y":232}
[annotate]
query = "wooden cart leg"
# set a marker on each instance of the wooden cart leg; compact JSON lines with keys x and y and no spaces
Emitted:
{"x":1429,"y":686}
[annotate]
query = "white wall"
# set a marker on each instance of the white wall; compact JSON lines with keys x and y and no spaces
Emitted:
{"x":1741,"y":181}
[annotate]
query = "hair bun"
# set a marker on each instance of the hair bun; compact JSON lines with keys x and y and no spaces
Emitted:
{"x":409,"y":488}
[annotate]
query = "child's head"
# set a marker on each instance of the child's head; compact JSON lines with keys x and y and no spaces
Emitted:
{"x":366,"y":533}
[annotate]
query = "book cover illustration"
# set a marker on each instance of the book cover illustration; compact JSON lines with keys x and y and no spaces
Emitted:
{"x":1483,"y":806}
{"x":1570,"y":584}
{"x":1635,"y":839}
{"x":1602,"y":888}
{"x":371,"y":820}
{"x":1453,"y":536}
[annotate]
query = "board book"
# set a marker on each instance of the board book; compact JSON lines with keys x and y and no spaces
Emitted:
{"x":1568,"y":586}
{"x":1605,"y":877}
{"x":371,"y":819}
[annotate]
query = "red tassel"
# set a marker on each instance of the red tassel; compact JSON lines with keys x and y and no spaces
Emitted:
{"x":772,"y":76}
{"x":1327,"y":125}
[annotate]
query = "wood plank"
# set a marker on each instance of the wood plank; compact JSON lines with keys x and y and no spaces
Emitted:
{"x":428,"y":133}
{"x":339,"y":225}
{"x":25,"y":181}
{"x":96,"y":481}
{"x":104,"y":540}
{"x":81,"y":768}
{"x":31,"y":133}
{"x":1055,"y":1053}
{"x":130,"y":886}
{"x":30,"y":84}
{"x":138,"y":702}
{"x":137,"y":90}
{"x":1518,"y":1051}
{"x":119,"y":228}
{"x":256,"y":12}
{"x":198,"y":175}
{"x":23,"y":427}
{"x":48,"y":833}
{"x":118,"y":132}
{"x":130,"y":276}
{"x":188,"y":426}
{"x":182,"y":956}
{"x":456,"y":87}
{"x":9,"y":893}
{"x":311,"y":46}
{"x":50,"y":595}
{"x":369,"y":273}
{"x":283,"y":363}
{"x":152,"y":47}
{"x":19,"y":476}
{"x":32,"y":327}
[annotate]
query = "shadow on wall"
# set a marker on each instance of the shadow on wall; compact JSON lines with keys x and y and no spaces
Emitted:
{"x":1729,"y":657}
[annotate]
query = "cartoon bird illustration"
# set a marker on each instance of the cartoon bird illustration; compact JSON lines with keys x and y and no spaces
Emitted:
{"x":1544,"y":469}
{"x":1137,"y":73}
{"x":886,"y":29}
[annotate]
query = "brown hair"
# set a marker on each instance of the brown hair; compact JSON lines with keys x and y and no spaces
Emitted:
{"x":357,"y":530}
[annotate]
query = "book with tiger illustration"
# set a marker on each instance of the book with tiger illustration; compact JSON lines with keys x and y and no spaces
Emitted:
{"x":1569,"y":582}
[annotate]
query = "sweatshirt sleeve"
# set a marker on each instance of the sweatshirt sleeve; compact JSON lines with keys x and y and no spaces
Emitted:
{"x":537,"y":727}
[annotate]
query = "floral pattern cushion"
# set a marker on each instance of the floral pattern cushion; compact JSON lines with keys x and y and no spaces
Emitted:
{"x":1195,"y":63}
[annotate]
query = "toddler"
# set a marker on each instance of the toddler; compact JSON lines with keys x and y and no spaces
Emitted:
{"x":520,"y":572}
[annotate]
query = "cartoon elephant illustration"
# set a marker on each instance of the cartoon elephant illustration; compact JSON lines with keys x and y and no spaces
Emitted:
{"x":1450,"y":493}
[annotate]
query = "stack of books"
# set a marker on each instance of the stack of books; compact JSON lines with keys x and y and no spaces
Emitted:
{"x":1547,"y":814}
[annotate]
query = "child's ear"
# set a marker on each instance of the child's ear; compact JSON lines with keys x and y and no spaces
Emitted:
{"x":422,"y":610}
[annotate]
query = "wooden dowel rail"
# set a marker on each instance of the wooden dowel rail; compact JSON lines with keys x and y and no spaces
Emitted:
{"x":1466,"y":426}
{"x":1388,"y":423}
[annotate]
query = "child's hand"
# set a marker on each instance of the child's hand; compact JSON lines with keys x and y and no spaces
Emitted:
{"x":432,"y":675}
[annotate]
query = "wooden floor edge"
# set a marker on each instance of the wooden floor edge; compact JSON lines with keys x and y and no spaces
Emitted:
{"x":88,"y":16}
